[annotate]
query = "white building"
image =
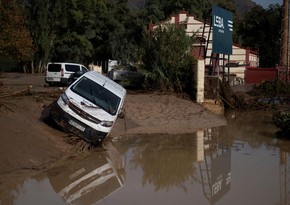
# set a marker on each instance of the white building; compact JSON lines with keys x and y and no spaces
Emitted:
{"x":239,"y":60}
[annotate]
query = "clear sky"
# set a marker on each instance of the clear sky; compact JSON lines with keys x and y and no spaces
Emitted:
{"x":266,"y":3}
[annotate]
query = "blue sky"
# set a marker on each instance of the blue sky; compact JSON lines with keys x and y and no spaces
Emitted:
{"x":266,"y":3}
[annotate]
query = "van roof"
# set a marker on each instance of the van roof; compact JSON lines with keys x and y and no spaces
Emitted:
{"x":64,"y":63}
{"x":106,"y":82}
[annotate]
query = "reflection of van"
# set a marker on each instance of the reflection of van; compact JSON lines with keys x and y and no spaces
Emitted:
{"x":89,"y":107}
{"x":91,"y":179}
{"x":61,"y":72}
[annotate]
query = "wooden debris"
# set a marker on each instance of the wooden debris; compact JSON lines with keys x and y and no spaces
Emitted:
{"x":6,"y":106}
{"x":20,"y":92}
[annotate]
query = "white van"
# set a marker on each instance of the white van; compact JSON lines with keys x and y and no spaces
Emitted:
{"x":89,"y":107}
{"x":60,"y":73}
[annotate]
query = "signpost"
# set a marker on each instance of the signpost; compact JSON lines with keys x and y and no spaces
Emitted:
{"x":222,"y":23}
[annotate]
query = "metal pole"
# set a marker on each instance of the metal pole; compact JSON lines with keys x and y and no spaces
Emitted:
{"x":228,"y":69}
{"x":287,"y":66}
{"x":224,"y":68}
{"x":287,"y":57}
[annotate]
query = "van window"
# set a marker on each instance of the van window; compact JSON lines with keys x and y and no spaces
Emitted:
{"x":97,"y":94}
{"x":54,"y":67}
{"x":72,"y":68}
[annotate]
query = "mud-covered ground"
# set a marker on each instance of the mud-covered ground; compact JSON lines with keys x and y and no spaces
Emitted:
{"x":29,"y":144}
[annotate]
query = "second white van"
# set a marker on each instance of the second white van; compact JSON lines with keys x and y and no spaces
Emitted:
{"x":60,"y":73}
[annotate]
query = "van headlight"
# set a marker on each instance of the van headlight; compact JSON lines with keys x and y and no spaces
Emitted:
{"x":64,"y":98}
{"x":107,"y":123}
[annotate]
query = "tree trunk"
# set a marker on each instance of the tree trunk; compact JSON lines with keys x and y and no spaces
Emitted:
{"x":32,"y":66}
{"x":24,"y":68}
{"x":40,"y":67}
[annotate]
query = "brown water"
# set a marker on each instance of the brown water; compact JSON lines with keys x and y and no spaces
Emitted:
{"x":241,"y":163}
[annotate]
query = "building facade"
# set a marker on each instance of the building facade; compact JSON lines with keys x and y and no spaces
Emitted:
{"x":237,"y":63}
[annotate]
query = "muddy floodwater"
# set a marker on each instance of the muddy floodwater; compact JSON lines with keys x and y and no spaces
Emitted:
{"x":241,"y":163}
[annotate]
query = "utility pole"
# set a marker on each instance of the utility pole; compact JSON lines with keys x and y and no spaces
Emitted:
{"x":284,"y":58}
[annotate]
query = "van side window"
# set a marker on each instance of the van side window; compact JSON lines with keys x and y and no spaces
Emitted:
{"x":72,"y":68}
{"x":54,"y":67}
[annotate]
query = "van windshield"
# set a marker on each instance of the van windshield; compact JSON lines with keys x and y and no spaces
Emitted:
{"x":97,"y":94}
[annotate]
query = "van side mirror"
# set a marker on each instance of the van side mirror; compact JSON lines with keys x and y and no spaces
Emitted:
{"x":121,"y":114}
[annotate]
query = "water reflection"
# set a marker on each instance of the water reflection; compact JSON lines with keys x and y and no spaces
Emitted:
{"x":90,"y":180}
{"x":215,"y":167}
{"x":284,"y":178}
{"x":79,"y":180}
{"x":166,"y":161}
{"x":256,"y":129}
{"x":241,"y":163}
{"x":235,"y":164}
{"x":179,"y":161}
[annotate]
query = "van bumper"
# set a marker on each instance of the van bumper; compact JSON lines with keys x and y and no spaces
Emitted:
{"x":63,"y":81}
{"x":52,"y":80}
{"x":73,"y":125}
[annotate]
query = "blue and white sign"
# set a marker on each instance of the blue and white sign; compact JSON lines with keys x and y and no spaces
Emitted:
{"x":222,"y":23}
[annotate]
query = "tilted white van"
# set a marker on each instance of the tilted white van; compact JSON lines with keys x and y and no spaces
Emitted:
{"x":89,"y":107}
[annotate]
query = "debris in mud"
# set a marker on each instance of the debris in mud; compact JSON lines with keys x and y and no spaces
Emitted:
{"x":271,"y":89}
{"x":8,"y":93}
{"x":272,"y":95}
{"x":221,"y":91}
{"x":7,"y":106}
{"x":244,"y":100}
{"x":79,"y":144}
{"x":267,"y":95}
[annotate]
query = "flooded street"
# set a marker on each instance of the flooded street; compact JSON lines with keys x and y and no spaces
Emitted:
{"x":241,"y":163}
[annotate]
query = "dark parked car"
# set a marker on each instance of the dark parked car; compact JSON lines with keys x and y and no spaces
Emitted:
{"x":127,"y":77}
{"x":75,"y":76}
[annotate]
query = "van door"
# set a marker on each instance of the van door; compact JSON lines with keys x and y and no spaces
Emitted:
{"x":53,"y":73}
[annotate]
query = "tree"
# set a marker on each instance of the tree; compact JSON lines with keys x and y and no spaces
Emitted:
{"x":42,"y":17}
{"x":82,"y":31}
{"x":261,"y":29}
{"x":167,"y":57}
{"x":15,"y":39}
{"x":118,"y":32}
{"x":74,"y":30}
{"x":156,"y":10}
{"x":126,"y":35}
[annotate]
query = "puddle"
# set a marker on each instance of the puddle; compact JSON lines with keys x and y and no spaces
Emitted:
{"x":241,"y":163}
